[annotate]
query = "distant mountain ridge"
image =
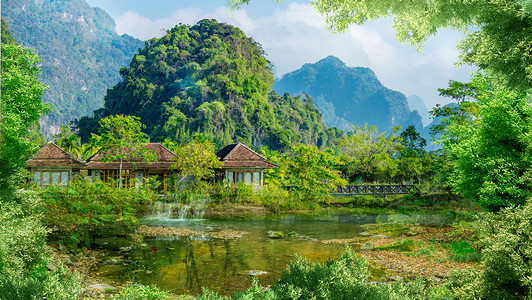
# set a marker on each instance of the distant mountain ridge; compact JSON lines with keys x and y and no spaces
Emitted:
{"x":349,"y":95}
{"x":80,"y":50}
{"x":416,"y":103}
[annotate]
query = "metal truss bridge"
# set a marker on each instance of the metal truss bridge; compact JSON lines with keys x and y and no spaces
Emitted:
{"x":387,"y":189}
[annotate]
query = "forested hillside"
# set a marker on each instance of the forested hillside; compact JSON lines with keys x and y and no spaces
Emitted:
{"x":81,"y":53}
{"x":345,"y":94}
{"x":210,"y":78}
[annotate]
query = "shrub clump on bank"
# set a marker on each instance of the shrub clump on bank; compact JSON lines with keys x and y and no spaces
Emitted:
{"x":85,"y":211}
{"x":506,"y":258}
{"x":24,"y":255}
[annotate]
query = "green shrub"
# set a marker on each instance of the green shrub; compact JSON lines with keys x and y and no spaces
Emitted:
{"x":464,"y":252}
{"x":84,"y":211}
{"x":368,"y":201}
{"x":506,"y":258}
{"x":144,"y":293}
{"x":24,"y":254}
{"x":277,"y":199}
{"x":342,"y":278}
{"x":239,"y":193}
{"x":274,"y":198}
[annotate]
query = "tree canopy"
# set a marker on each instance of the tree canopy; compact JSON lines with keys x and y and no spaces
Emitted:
{"x":21,"y":104}
{"x":491,"y":151}
{"x":369,"y":154}
{"x":314,"y":172}
{"x":197,"y":159}
{"x":68,"y":141}
{"x":120,"y":138}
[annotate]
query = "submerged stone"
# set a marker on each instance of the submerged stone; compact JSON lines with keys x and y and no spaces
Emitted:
{"x":368,"y":246}
{"x":275,"y":234}
{"x":402,"y":245}
{"x":256,"y":272}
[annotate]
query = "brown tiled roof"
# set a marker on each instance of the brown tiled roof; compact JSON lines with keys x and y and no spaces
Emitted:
{"x":240,"y":156}
{"x":51,"y":155}
{"x":164,"y":160}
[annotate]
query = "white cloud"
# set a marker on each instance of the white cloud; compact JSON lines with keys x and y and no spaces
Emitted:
{"x":296,"y":34}
{"x":143,"y":28}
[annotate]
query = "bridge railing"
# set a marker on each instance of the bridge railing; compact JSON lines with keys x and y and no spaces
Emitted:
{"x":385,"y":189}
{"x":381,"y":189}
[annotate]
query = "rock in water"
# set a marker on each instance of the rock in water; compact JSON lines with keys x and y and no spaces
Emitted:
{"x":275,"y":234}
{"x":368,"y":246}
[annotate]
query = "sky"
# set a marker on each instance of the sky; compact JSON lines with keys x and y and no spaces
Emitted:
{"x":292,"y":33}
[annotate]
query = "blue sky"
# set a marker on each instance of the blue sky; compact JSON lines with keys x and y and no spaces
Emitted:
{"x":293,"y":34}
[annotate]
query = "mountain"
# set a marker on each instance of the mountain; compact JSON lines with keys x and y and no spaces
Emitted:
{"x":210,"y":78}
{"x":416,"y":103}
{"x":80,"y":50}
{"x":349,"y":95}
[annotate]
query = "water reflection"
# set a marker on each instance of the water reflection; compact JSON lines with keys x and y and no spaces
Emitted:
{"x":185,"y":265}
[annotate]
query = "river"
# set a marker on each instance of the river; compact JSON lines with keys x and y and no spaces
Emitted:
{"x":185,"y":264}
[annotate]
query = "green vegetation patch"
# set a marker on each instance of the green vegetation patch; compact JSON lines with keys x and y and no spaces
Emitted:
{"x":391,"y":229}
{"x":464,"y":252}
{"x":401,"y":245}
{"x":146,"y":292}
{"x":369,"y":201}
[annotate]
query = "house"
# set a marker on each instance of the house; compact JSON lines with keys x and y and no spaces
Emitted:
{"x":53,"y":165}
{"x":241,"y":164}
{"x":135,"y":171}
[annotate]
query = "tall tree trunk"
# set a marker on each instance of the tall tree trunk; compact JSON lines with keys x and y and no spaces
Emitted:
{"x":120,"y":176}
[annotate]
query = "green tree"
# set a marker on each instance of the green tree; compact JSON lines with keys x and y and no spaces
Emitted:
{"x":69,"y":141}
{"x":21,"y":104}
{"x":491,"y":156}
{"x":23,"y":250}
{"x":120,"y":138}
{"x":314,"y":172}
{"x":369,"y":154}
{"x":413,"y":143}
{"x":197,"y":159}
{"x":462,"y":112}
{"x":274,"y":176}
{"x":410,"y":159}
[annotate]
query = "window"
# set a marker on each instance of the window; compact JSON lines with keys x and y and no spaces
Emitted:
{"x":56,"y":177}
{"x":47,"y":178}
{"x":239,"y":177}
{"x":246,"y":177}
{"x":65,"y":178}
{"x":37,"y":177}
